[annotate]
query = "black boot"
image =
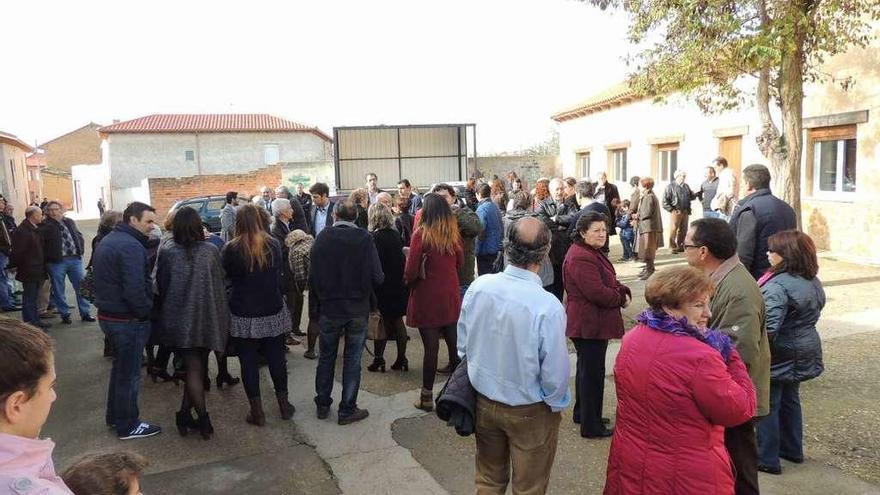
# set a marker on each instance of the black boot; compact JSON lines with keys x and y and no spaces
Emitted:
{"x":226,"y":379}
{"x":185,"y":422}
{"x":285,"y":407}
{"x":205,"y":426}
{"x":377,"y":365}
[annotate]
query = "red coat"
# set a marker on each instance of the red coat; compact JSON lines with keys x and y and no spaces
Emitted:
{"x":435,"y":301}
{"x":675,"y":395}
{"x":594,"y":295}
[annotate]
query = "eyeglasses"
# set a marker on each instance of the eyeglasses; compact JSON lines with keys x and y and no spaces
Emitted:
{"x":694,"y":246}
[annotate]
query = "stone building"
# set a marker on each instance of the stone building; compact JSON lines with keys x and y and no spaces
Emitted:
{"x":14,"y":171}
{"x":625,"y":135}
{"x":81,"y":146}
{"x":161,"y":159}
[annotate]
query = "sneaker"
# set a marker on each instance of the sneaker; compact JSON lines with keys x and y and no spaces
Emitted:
{"x":88,"y":318}
{"x":142,"y":430}
{"x":323,"y":412}
{"x":65,"y":319}
{"x":356,"y":415}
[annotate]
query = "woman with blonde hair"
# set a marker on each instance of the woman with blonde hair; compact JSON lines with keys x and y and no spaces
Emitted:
{"x":253,"y":264}
{"x":431,"y":273}
{"x":392,"y":295}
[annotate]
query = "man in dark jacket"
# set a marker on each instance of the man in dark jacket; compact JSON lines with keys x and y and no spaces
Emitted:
{"x":677,"y":201}
{"x":30,"y":263}
{"x":585,"y":193}
{"x":304,"y":198}
{"x":298,"y":219}
{"x":124,"y":299}
{"x":321,"y":214}
{"x":345,"y":268}
{"x":758,"y":216}
{"x":6,"y":300}
{"x":64,"y":251}
{"x":489,"y":242}
{"x":607,"y":193}
{"x":282,"y":210}
{"x":557,"y":216}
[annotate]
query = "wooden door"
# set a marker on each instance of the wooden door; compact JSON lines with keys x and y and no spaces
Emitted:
{"x":731,"y":149}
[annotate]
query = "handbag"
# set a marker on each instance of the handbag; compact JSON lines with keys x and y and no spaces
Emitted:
{"x":375,"y":327}
{"x":87,"y":286}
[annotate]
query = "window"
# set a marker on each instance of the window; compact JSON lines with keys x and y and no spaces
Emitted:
{"x":667,"y":162}
{"x":583,"y":164}
{"x":271,"y":154}
{"x":189,"y":155}
{"x":617,"y":162}
{"x":834,"y":166}
{"x":216,"y":204}
{"x":831,"y":161}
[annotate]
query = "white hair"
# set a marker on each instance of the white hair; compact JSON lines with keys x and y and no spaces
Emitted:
{"x":281,"y":205}
{"x":678,"y":173}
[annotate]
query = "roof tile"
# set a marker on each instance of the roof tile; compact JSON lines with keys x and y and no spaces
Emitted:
{"x":173,"y":123}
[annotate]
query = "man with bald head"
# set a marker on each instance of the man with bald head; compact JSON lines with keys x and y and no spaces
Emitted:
{"x":519,"y":402}
{"x":557,"y":215}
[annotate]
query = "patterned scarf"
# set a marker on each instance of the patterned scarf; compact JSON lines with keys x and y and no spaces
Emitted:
{"x":662,"y":321}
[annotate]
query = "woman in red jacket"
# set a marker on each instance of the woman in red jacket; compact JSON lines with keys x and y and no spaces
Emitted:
{"x":593,"y":317}
{"x":678,"y":385}
{"x":435,"y":255}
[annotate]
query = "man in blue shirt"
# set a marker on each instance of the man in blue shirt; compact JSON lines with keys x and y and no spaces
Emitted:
{"x":489,"y":242}
{"x":512,"y":334}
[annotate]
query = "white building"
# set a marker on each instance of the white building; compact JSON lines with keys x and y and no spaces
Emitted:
{"x":625,"y":135}
{"x":163,"y":158}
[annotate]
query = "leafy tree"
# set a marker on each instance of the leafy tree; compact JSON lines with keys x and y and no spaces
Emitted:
{"x":722,"y":53}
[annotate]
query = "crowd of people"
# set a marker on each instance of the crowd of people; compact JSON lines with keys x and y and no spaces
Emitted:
{"x":707,"y":382}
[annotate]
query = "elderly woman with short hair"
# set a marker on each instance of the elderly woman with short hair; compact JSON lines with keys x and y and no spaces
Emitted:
{"x":679,"y":384}
{"x":392,"y":295}
{"x":794,"y":298}
{"x":650,"y":226}
{"x":592,"y":308}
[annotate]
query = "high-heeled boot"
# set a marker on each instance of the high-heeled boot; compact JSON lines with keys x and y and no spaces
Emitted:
{"x":426,"y":400}
{"x":205,"y":426}
{"x":285,"y":407}
{"x":378,"y":364}
{"x":256,"y":416}
{"x":185,"y":422}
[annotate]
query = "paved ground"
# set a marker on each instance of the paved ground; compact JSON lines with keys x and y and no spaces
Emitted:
{"x":402,"y":450}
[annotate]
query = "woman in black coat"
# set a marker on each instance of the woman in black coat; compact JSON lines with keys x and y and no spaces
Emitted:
{"x":392,"y":295}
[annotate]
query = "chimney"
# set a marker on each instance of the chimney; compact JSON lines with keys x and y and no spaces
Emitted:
{"x":115,"y":121}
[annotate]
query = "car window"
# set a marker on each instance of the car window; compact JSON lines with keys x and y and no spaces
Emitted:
{"x":195,"y":205}
{"x":216,"y":204}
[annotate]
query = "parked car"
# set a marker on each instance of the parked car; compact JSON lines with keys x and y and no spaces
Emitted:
{"x":209,"y":208}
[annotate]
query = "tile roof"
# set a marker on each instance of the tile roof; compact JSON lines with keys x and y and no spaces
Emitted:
{"x":616,"y":95}
{"x":234,"y":122}
{"x":12,"y":139}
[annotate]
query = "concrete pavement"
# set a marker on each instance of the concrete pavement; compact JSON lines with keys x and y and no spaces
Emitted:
{"x":400,"y":449}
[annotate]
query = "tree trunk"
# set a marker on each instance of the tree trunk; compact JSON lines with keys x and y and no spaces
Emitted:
{"x":787,"y":178}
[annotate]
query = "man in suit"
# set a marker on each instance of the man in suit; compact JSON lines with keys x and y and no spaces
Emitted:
{"x":321,"y":215}
{"x":607,"y":193}
{"x":227,"y":217}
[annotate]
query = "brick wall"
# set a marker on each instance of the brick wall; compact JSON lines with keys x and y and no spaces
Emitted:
{"x":165,"y":192}
{"x":80,"y":147}
{"x":57,"y":185}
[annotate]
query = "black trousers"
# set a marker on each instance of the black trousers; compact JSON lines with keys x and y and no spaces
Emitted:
{"x":557,"y":288}
{"x":742,"y":445}
{"x":590,"y":384}
{"x":272,"y":348}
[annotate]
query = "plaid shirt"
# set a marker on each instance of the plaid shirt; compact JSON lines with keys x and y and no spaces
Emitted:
{"x":68,"y":245}
{"x":300,"y":245}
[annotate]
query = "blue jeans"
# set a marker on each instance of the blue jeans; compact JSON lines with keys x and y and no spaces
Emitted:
{"x":68,"y":267}
{"x":30,"y":292}
{"x":5,"y":288}
{"x":627,"y":238}
{"x":128,"y":339}
{"x":355,"y":332}
{"x":782,"y":431}
{"x":711,"y":214}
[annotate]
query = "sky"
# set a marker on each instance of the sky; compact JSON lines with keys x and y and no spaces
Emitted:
{"x":505,"y":65}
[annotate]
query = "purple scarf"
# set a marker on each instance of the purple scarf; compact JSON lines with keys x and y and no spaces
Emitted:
{"x":662,"y":321}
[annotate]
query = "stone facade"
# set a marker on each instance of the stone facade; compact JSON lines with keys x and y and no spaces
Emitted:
{"x":79,"y":147}
{"x":14,"y":178}
{"x":528,"y":167}
{"x":57,"y":185}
